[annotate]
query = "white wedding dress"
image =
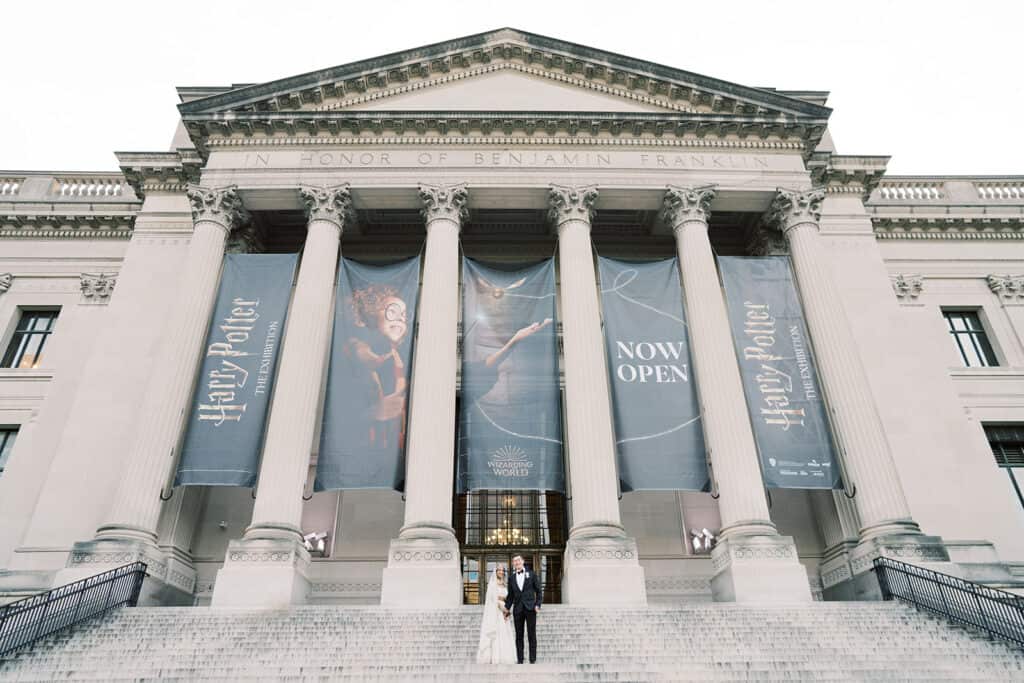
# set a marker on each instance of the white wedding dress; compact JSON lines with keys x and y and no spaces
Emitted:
{"x":497,"y":636}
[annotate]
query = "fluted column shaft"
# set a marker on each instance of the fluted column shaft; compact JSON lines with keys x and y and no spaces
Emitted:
{"x":591,"y":442}
{"x":428,"y":489}
{"x":289,"y":441}
{"x":727,"y":431}
{"x":136,"y":507}
{"x":880,"y":499}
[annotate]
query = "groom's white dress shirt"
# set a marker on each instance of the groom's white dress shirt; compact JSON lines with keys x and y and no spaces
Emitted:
{"x":520,"y":577}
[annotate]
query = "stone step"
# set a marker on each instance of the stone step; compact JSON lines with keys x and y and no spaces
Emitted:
{"x":821,"y":642}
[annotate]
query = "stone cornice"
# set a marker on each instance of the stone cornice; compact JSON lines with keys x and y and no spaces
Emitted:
{"x":461,"y":127}
{"x":556,"y":58}
{"x":67,"y":226}
{"x":165,"y":172}
{"x":321,"y":140}
{"x":840,"y":174}
{"x":948,"y":228}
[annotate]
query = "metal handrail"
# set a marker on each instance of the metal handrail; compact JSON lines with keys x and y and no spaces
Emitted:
{"x":25,"y":621}
{"x":998,"y":613}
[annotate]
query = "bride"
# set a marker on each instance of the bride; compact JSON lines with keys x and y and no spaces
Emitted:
{"x":497,"y":640}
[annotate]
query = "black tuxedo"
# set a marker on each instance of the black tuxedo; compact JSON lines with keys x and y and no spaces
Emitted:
{"x":524,"y":605}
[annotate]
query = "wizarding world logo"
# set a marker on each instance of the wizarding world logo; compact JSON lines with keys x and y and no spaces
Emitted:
{"x":509,"y":461}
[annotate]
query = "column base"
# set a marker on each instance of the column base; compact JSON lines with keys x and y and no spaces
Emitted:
{"x":603,"y":571}
{"x":263,"y":573}
{"x":423,"y":572}
{"x":924,"y":551}
{"x":758,"y":569}
{"x":167,"y":582}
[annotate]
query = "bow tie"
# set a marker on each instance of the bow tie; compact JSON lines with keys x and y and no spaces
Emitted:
{"x":519,"y":572}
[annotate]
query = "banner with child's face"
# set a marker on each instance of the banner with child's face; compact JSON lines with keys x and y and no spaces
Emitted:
{"x":362,"y":443}
{"x":228,"y":415}
{"x":510,"y":417}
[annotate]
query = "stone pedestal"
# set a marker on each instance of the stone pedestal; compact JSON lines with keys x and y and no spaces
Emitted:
{"x":598,"y":554}
{"x":758,"y":569}
{"x":603,"y":572}
{"x":424,"y":568}
{"x":423,"y":573}
{"x":167,"y":582}
{"x":917,"y":549}
{"x":268,"y":573}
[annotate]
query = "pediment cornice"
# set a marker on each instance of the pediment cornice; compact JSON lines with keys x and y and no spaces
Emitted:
{"x":714,"y":131}
{"x":404,"y":72}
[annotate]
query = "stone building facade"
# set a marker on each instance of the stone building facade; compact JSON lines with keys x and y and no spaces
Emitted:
{"x":509,"y":147}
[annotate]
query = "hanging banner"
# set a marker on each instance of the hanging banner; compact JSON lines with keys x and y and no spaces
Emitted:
{"x":362,"y":443}
{"x":779,"y":376}
{"x":658,"y":431}
{"x":510,"y":417}
{"x":228,"y":416}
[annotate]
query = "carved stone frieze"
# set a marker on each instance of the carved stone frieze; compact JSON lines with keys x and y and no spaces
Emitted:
{"x":97,"y":287}
{"x":686,"y":204}
{"x":331,"y":204}
{"x":220,"y":205}
{"x":571,"y":203}
{"x":6,"y":279}
{"x":907,"y":287}
{"x":449,"y":202}
{"x":1008,"y":287}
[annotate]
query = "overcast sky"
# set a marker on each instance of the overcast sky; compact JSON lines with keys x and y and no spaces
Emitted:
{"x":936,"y":85}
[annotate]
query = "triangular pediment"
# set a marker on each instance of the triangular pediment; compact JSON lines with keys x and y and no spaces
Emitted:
{"x":504,"y":71}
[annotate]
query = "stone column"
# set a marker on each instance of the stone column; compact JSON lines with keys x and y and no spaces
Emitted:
{"x":752,"y":561}
{"x":886,"y":523}
{"x":424,"y":569}
{"x":130,"y":529}
{"x":598,"y":553}
{"x":268,"y":567}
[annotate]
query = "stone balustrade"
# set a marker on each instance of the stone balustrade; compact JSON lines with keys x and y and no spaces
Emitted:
{"x":9,"y":186}
{"x":948,"y":190}
{"x":43,"y":186}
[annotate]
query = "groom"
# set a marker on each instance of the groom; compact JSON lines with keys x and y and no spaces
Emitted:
{"x":524,"y":597}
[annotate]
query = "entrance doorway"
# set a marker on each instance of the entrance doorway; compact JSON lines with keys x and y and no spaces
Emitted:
{"x":494,"y":526}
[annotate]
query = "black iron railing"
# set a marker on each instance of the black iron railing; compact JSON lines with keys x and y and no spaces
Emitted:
{"x":998,"y":613}
{"x":26,"y":621}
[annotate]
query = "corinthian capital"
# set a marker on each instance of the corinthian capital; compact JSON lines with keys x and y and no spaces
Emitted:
{"x":571,"y":203}
{"x":331,"y":204}
{"x":220,"y":205}
{"x":686,"y":204}
{"x":791,"y":208}
{"x":444,"y":202}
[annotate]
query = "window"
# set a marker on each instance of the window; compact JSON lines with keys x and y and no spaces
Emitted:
{"x":1007,"y":442}
{"x":6,"y":446}
{"x":26,"y":347}
{"x":970,"y":339}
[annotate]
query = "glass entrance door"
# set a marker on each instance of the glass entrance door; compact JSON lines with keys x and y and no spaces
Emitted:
{"x":494,"y":526}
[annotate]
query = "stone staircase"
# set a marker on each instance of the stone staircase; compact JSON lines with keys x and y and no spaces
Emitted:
{"x":709,"y":642}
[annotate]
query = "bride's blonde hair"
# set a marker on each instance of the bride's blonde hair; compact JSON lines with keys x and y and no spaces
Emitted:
{"x":503,"y":579}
